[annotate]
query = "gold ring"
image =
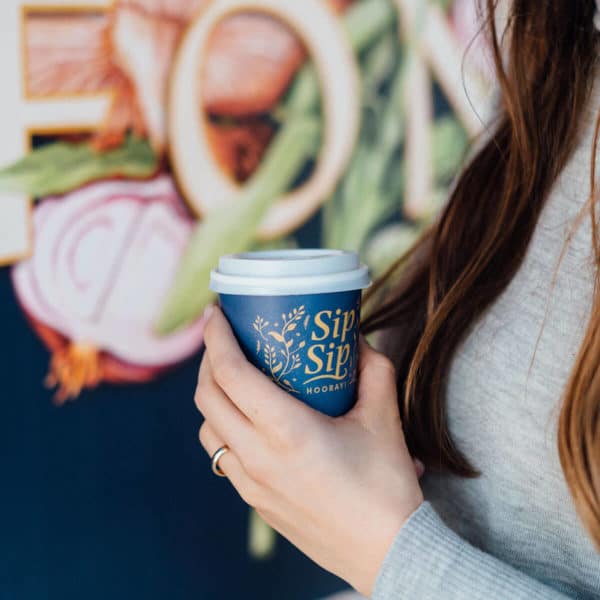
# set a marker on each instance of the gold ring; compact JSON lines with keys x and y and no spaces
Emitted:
{"x":215,"y":460}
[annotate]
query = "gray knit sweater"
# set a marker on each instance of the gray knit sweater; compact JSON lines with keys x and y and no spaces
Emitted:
{"x":513,"y":532}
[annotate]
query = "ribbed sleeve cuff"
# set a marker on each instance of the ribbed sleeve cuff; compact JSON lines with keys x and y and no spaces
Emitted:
{"x":428,"y":561}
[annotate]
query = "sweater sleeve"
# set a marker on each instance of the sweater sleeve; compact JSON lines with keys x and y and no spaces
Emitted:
{"x":428,"y":561}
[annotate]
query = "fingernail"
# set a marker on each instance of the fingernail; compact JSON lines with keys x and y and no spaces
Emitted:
{"x":208,"y":311}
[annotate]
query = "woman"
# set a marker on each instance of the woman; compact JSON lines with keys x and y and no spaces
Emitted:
{"x":493,"y":343}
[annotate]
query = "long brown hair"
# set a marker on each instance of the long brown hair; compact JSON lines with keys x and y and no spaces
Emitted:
{"x":545,"y":61}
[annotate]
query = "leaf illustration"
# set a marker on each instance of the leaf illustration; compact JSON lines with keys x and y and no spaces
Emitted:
{"x":233,"y":226}
{"x":257,"y":346}
{"x":289,"y":343}
{"x":306,"y":322}
{"x":61,"y":167}
{"x":276,"y":336}
{"x":277,"y":368}
{"x":302,"y":344}
{"x":292,"y":327}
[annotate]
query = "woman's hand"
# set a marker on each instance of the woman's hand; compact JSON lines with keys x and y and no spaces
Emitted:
{"x":339,"y":489}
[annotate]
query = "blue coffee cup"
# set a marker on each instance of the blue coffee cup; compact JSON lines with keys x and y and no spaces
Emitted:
{"x":296,"y":316}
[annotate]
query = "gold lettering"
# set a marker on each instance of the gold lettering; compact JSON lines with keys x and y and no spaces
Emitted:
{"x":343,"y":354}
{"x":322,"y":325}
{"x":315,"y":359}
{"x":336,"y":325}
{"x":329,"y":361}
{"x":349,"y":318}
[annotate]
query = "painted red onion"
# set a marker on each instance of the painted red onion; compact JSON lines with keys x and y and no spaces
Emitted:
{"x":104,"y":258}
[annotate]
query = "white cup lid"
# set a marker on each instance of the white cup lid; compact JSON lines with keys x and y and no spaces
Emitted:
{"x":289,"y":272}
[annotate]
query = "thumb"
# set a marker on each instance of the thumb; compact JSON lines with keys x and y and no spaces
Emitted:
{"x":377,"y":401}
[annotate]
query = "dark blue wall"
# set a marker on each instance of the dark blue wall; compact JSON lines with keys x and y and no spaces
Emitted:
{"x":112,"y":496}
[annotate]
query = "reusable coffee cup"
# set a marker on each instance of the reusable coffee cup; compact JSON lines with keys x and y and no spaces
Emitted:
{"x":296,"y":315}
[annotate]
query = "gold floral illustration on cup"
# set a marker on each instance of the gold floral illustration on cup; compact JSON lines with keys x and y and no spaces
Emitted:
{"x":280,"y":345}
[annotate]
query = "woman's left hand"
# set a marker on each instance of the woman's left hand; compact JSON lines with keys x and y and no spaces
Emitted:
{"x":337,"y":488}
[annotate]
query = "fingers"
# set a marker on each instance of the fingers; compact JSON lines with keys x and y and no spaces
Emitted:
{"x":254,"y":394}
{"x":373,"y":364}
{"x":229,"y":463}
{"x":224,"y":417}
{"x":211,"y":441}
{"x":377,"y":402}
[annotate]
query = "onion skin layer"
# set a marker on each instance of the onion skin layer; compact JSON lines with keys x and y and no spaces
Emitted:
{"x":104,"y":256}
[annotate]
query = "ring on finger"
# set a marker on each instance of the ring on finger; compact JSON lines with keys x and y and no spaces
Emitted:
{"x":215,"y":460}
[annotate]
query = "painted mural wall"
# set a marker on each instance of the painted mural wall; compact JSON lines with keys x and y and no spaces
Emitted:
{"x":140,"y":140}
